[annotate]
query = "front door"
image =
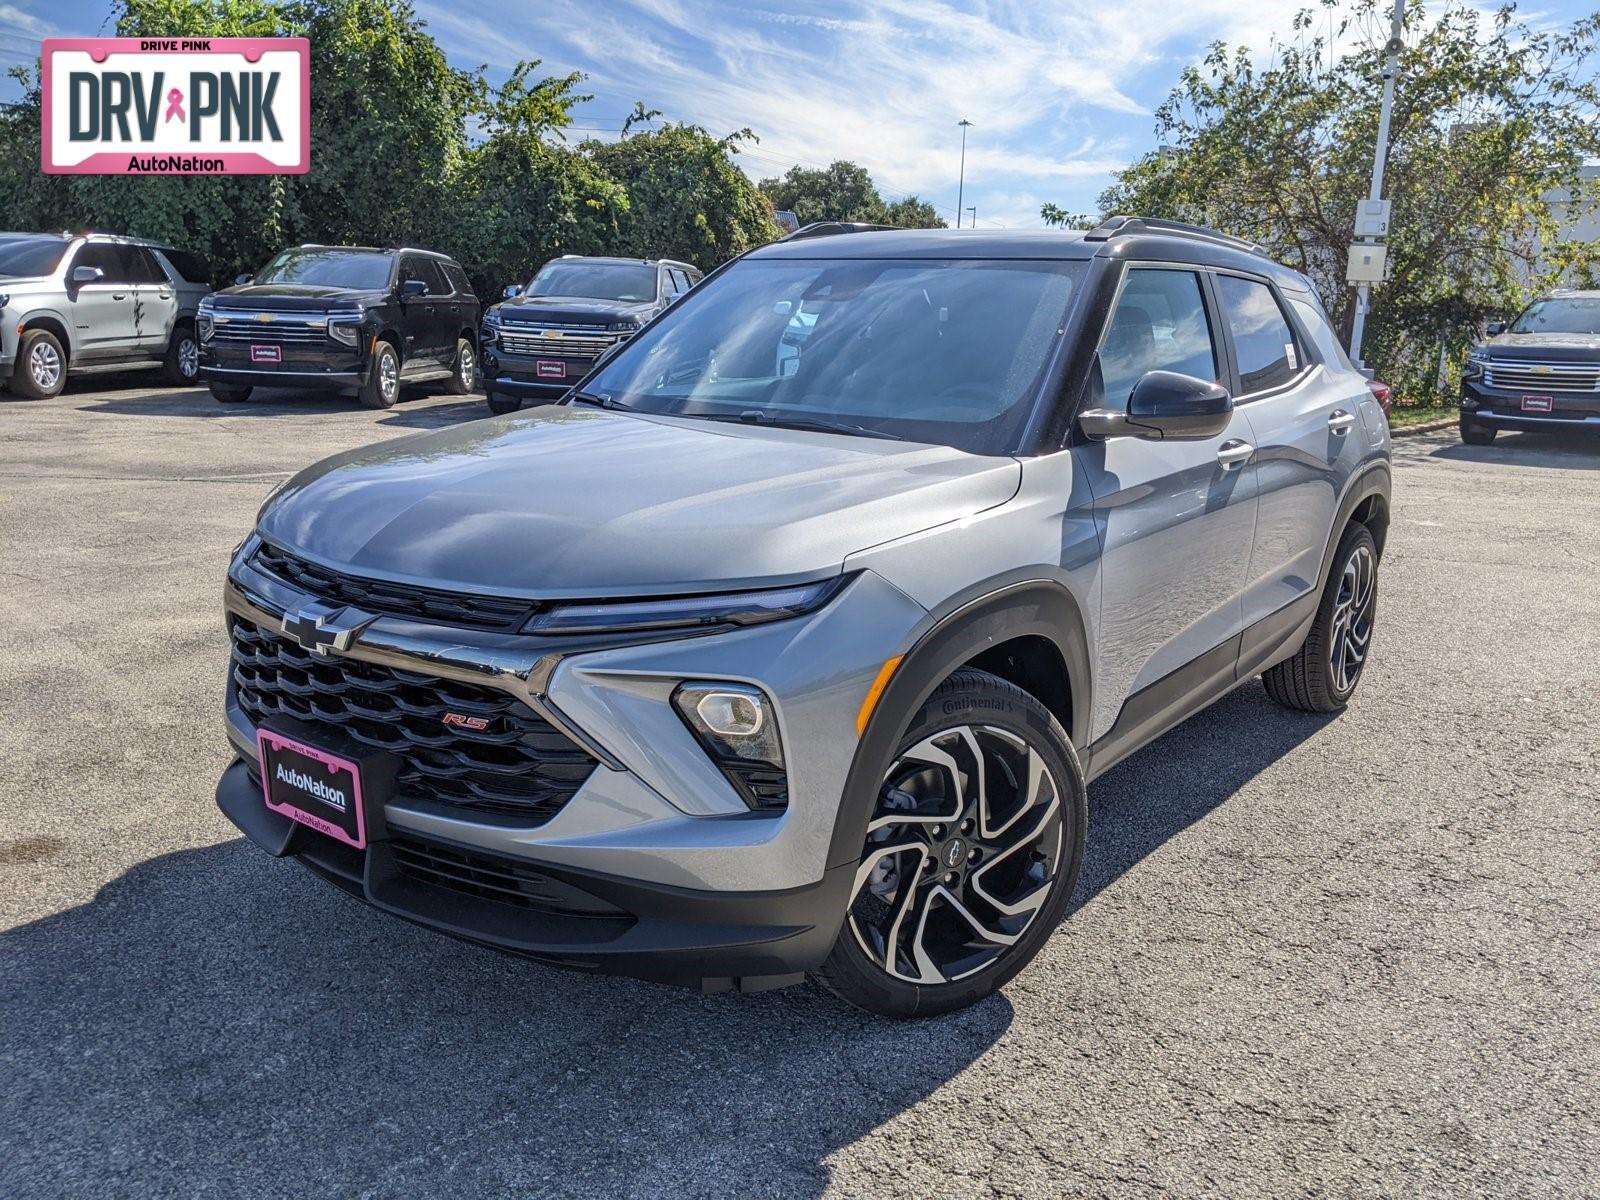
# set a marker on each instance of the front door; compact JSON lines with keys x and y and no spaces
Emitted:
{"x":427,"y":323}
{"x":1176,"y":518}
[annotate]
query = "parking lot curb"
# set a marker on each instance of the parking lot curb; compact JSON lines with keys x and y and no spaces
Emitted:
{"x":1427,"y":427}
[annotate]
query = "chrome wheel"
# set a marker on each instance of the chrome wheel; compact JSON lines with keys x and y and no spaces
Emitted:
{"x":1350,"y":632}
{"x":188,"y":358}
{"x":466,"y":366}
{"x":388,"y":376}
{"x":44,"y":365}
{"x":960,"y":855}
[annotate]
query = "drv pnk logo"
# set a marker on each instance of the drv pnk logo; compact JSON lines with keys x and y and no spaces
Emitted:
{"x":170,"y":106}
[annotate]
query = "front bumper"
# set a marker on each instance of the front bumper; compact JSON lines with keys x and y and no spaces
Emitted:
{"x":656,"y":830}
{"x":1501,"y":408}
{"x":329,"y":365}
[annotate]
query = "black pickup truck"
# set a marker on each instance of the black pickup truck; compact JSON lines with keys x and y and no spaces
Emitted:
{"x":350,"y":318}
{"x":546,"y":337}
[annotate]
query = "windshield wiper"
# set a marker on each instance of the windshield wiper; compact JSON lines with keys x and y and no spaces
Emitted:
{"x":577,"y":397}
{"x":754,"y":416}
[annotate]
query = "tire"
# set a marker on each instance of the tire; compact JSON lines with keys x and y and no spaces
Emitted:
{"x":1324,"y":672}
{"x":501,"y":404}
{"x":382,"y":387}
{"x":1474,"y":434}
{"x":41,"y":368}
{"x":230,"y":395}
{"x":465,"y":376}
{"x":182,"y":365}
{"x":900,"y":952}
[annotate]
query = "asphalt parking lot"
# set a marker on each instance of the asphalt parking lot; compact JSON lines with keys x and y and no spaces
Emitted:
{"x":1357,"y":956}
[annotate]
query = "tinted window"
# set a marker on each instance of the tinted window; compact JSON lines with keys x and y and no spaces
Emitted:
{"x":108,"y":258}
{"x":1566,"y":314}
{"x":328,"y":268}
{"x":680,"y":280}
{"x":1262,"y":339}
{"x":458,"y":278}
{"x":949,"y":351}
{"x":191,"y":266}
{"x":1159,"y":324}
{"x":595,"y":280}
{"x":1316,"y":323}
{"x":427,"y":270}
{"x":27,"y":256}
{"x":142,"y":266}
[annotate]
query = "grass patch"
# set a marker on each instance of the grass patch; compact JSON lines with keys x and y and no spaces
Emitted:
{"x":1403,"y":416}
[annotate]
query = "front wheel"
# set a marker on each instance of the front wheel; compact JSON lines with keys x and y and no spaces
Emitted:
{"x":464,"y":377}
{"x":382,"y":387}
{"x":1322,"y":675}
{"x":224,"y":394}
{"x":970,"y":857}
{"x":1474,"y":434}
{"x":500,"y":404}
{"x":41,"y":370}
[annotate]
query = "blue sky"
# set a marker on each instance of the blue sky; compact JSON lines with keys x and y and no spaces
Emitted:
{"x":1060,"y":92}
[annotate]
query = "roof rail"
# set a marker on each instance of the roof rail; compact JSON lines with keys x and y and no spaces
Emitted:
{"x":829,"y":228}
{"x":1117,"y":226}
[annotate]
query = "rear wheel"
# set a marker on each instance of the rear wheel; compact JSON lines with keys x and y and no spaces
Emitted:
{"x":182,"y":365}
{"x":1475,"y":434}
{"x":382,"y":387}
{"x":970,"y":857}
{"x":229,"y":395}
{"x":41,"y":370}
{"x":1324,"y":672}
{"x":465,"y":375}
{"x":500,"y":404}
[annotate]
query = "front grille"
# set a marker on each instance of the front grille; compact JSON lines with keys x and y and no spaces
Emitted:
{"x":493,"y":877}
{"x":286,"y":330}
{"x":519,"y":764}
{"x":1543,"y":377}
{"x":525,"y":340}
{"x":392,"y":599}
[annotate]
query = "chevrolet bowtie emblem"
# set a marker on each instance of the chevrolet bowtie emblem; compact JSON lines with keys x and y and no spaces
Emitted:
{"x":263,"y":317}
{"x":1541,"y":370}
{"x":322,"y":628}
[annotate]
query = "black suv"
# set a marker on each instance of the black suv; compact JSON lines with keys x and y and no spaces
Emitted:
{"x":547,"y":336}
{"x":1541,"y":373}
{"x":346,"y":317}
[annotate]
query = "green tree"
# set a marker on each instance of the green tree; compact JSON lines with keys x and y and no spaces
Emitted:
{"x":842,"y":191}
{"x":912,"y":213}
{"x":686,"y":198}
{"x":1052,"y":214}
{"x":1490,"y":114}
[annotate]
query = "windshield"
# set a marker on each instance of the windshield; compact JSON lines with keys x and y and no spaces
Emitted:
{"x":946,"y":351}
{"x":367,"y":269}
{"x":595,"y":281}
{"x":21,"y":258}
{"x":1568,"y":314}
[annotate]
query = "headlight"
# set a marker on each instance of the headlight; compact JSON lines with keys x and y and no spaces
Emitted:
{"x":491,"y":316}
{"x":1476,"y":362}
{"x":624,"y":327}
{"x":739,"y":729}
{"x":687,"y":612}
{"x":204,"y":325}
{"x":345,"y":329}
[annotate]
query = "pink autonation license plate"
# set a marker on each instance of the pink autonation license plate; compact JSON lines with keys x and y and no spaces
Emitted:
{"x":312,"y":786}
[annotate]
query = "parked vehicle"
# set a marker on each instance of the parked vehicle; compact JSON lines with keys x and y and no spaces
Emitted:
{"x":351,"y":318}
{"x":546,"y":337}
{"x":1541,"y":373}
{"x":724,"y":672}
{"x":74,"y":304}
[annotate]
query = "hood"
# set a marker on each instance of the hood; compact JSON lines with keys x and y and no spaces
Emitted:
{"x":573,"y":310}
{"x":1547,"y":347}
{"x":568,"y":501}
{"x":293,"y":297}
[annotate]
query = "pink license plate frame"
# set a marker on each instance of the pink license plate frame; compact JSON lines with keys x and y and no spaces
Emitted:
{"x":550,"y":369}
{"x":269,"y":744}
{"x":266,"y":354}
{"x":1538,"y":404}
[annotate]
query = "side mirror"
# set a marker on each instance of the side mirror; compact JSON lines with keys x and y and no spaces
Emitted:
{"x":244,"y":278}
{"x":82,"y":275}
{"x":513,"y":290}
{"x":1165,"y":406}
{"x":413,"y":289}
{"x":1494,"y":328}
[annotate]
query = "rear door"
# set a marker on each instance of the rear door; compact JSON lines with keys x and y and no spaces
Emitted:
{"x":1303,"y":415}
{"x":102,"y":312}
{"x":1176,"y":518}
{"x":155,"y":300}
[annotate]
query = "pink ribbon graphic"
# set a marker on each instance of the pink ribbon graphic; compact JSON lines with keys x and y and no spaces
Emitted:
{"x":175,"y":105}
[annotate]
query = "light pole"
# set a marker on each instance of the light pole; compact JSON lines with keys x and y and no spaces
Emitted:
{"x":961,"y":186}
{"x":1380,"y":156}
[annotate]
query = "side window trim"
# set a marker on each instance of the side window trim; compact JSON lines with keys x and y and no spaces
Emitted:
{"x":1306,"y":362}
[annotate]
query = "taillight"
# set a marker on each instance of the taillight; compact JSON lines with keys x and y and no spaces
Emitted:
{"x":1382,"y":393}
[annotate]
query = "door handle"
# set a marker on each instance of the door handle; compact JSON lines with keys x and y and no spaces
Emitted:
{"x":1340,"y":421}
{"x":119,"y":295}
{"x":1234,"y":454}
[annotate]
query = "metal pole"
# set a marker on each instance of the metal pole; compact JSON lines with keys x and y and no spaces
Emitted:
{"x":961,"y":187}
{"x":973,"y":210}
{"x":1380,"y":157}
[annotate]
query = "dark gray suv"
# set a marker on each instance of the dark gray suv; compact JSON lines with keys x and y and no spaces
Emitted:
{"x":788,"y":643}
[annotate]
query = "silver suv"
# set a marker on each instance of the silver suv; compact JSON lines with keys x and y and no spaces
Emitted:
{"x":789,"y":643}
{"x":72,"y":305}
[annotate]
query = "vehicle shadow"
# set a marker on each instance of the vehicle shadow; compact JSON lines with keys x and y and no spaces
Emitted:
{"x":1160,"y":791}
{"x":191,"y":402}
{"x":1578,"y":450}
{"x":216,"y":1022}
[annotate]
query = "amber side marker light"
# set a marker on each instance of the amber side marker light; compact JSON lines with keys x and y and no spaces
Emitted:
{"x":875,"y":693}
